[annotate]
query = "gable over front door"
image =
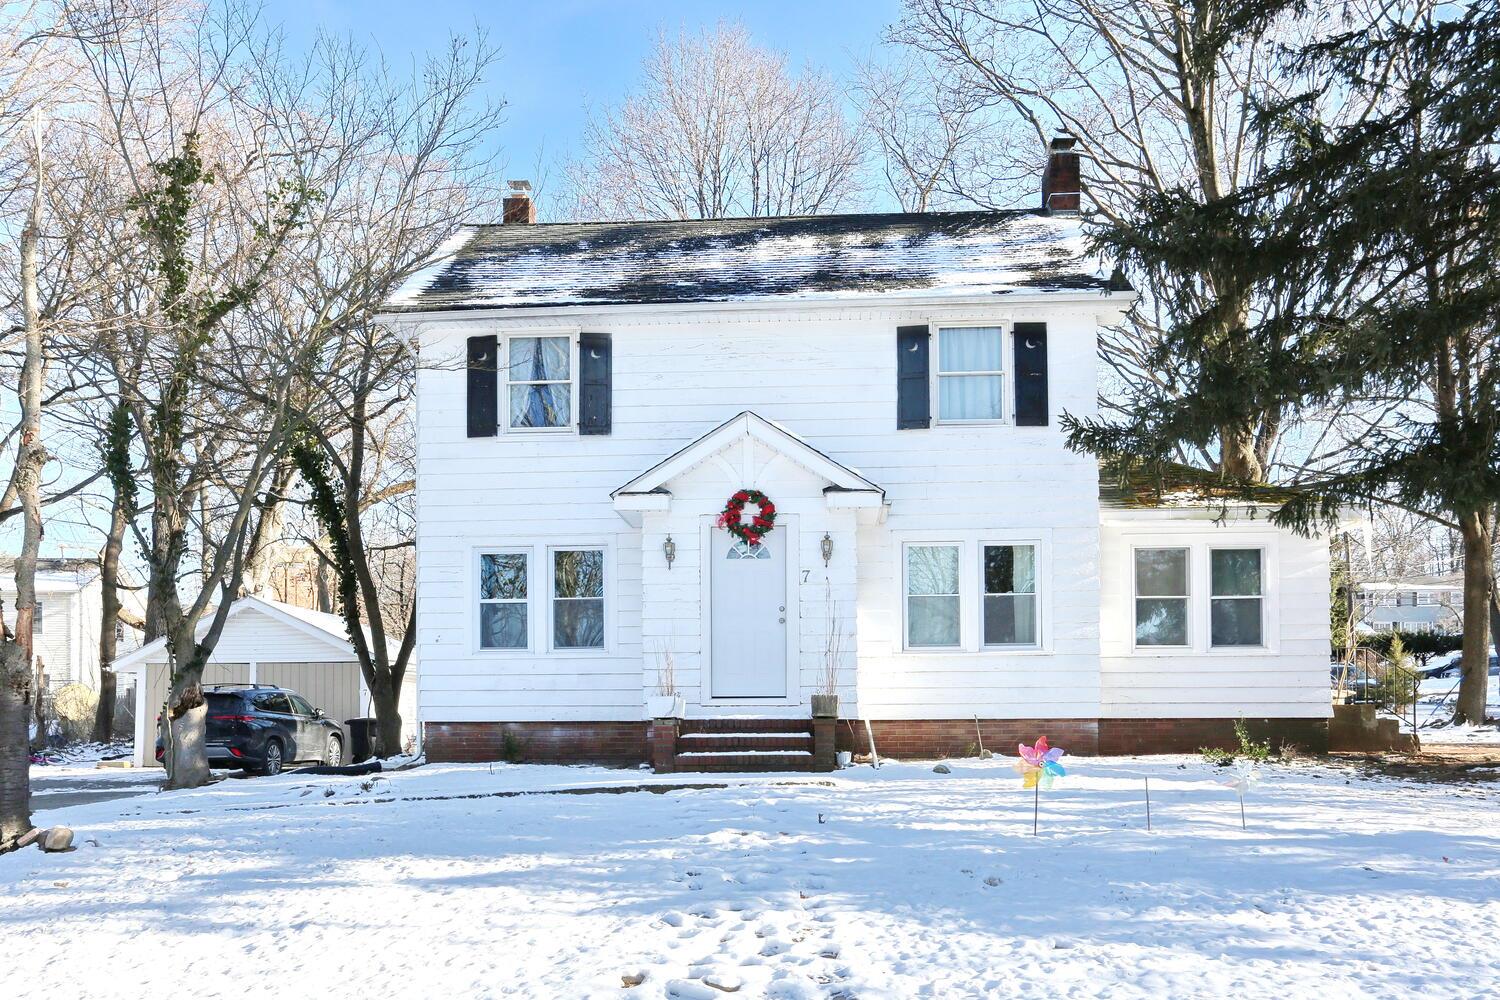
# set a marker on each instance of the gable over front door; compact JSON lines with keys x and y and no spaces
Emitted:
{"x":748,"y":601}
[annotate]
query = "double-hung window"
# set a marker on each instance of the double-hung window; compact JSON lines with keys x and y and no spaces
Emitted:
{"x":503,"y":587}
{"x":1161,"y":597}
{"x":970,"y":374}
{"x":539,"y":383}
{"x":578,"y":599}
{"x":1010,"y":611}
{"x":932,"y":596}
{"x":1236,"y":598}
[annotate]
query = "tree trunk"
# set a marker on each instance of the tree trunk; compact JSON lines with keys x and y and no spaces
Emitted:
{"x":1479,"y":561}
{"x":185,"y":721}
{"x":15,"y":758}
{"x":387,"y":701}
{"x":265,"y":540}
{"x":109,"y":583}
{"x":16,"y":690}
{"x":1237,"y":453}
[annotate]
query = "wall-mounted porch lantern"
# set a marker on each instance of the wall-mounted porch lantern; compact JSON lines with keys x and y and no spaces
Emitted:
{"x":827,"y":546}
{"x":669,"y":549}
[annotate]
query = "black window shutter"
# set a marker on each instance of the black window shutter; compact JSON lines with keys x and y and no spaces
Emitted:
{"x":484,"y":386}
{"x":595,"y":383}
{"x":913,"y":386}
{"x":1031,"y":374}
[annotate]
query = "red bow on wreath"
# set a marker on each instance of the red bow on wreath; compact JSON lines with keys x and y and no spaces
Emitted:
{"x":761,"y":523}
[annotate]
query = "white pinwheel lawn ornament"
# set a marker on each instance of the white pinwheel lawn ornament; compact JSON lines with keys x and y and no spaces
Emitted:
{"x":1039,"y":768}
{"x":1244,"y":782}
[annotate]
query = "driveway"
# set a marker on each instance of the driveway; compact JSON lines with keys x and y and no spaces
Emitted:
{"x":63,"y":787}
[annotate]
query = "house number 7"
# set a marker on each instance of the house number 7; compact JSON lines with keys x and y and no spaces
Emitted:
{"x":804,"y":575}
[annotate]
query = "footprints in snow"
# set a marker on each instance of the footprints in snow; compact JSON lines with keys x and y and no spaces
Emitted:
{"x":764,"y":930}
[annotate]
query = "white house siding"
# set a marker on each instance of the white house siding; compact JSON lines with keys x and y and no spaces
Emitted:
{"x":1286,"y":680}
{"x":825,"y":374}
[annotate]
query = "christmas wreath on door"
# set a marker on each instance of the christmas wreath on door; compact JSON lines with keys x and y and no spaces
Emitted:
{"x":760,"y":524}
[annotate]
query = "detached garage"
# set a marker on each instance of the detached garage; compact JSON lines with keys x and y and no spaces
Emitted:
{"x":263,"y":642}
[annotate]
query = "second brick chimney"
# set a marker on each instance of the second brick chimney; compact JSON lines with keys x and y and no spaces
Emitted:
{"x":1061,"y":187}
{"x":519,"y":208}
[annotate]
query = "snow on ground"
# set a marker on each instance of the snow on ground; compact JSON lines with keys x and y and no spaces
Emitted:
{"x":457,"y":881}
{"x":1436,"y":698}
{"x":83,"y":754}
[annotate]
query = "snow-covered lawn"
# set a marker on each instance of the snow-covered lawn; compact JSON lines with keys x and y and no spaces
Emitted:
{"x":1436,"y":698}
{"x":891,"y":883}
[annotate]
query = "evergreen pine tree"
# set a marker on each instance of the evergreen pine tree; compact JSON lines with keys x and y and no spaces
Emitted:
{"x":1379,"y":241}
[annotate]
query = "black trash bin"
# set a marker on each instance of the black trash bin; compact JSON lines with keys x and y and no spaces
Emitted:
{"x":361,"y":739}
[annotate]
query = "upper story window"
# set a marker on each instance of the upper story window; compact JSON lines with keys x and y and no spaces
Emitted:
{"x":1161,"y":597}
{"x":970,"y":374}
{"x":539,"y":382}
{"x":36,"y":619}
{"x":1236,"y":598}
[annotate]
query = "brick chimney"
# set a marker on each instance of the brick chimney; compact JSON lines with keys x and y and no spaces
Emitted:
{"x":1061,"y":189}
{"x":519,"y":208}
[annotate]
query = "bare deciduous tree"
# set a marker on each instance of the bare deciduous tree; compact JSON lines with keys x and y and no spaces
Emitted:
{"x":719,"y":127}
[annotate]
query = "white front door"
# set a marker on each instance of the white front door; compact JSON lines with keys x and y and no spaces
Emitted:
{"x":749,"y":616}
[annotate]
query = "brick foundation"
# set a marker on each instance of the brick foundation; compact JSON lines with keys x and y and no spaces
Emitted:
{"x":633,"y":743}
{"x":1133,"y":736}
{"x":617,"y":743}
{"x":925,"y":738}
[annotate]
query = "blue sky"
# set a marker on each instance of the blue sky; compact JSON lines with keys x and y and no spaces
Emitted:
{"x":559,"y":55}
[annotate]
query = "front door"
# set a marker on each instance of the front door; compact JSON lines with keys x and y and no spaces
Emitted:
{"x":749,"y":616}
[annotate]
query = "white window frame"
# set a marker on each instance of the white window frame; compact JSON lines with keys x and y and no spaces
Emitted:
{"x":1036,"y":595}
{"x":906,"y":595}
{"x":606,"y":604}
{"x":937,"y":374}
{"x":477,"y":601}
{"x":1262,"y":597}
{"x":1187,"y":598}
{"x":505,"y":381}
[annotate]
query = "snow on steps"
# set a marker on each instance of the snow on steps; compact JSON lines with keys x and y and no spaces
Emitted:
{"x":744,"y":744}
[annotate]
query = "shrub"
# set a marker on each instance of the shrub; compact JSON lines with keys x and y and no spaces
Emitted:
{"x":1258,"y":751}
{"x":74,"y":705}
{"x":1396,"y":685}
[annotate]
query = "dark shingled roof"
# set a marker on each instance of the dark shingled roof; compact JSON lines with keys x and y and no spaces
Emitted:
{"x":722,"y":260}
{"x":1132,"y":485}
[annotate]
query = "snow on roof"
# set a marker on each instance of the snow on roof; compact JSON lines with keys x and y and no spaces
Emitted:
{"x":725,"y":260}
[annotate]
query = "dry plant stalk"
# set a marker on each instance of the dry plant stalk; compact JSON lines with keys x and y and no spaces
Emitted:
{"x":833,"y":645}
{"x":666,"y":670}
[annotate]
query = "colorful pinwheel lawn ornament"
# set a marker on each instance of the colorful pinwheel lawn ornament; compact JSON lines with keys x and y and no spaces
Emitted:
{"x":1244,"y":781}
{"x":1039,"y":768}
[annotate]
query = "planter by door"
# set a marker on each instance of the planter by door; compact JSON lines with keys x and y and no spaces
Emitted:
{"x":825,"y":706}
{"x":665,"y":706}
{"x":748,"y":594}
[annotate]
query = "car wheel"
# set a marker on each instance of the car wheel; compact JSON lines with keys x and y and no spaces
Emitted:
{"x":272,"y":764}
{"x":334,"y":755}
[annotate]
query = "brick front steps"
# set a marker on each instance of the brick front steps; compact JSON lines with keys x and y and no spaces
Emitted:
{"x":757,"y":745}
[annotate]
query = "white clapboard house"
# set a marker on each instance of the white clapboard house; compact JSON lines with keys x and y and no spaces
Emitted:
{"x":592,"y":396}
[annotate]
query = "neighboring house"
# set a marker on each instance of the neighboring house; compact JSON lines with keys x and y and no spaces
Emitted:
{"x":264,"y":642}
{"x":894,"y":385}
{"x":66,"y":630}
{"x":1411,"y":604}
